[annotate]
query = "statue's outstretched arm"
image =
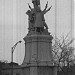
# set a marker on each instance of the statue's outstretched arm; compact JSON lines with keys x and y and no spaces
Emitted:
{"x":46,"y":6}
{"x":47,"y":10}
{"x":29,"y":6}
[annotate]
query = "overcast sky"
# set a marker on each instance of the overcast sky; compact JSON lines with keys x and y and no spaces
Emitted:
{"x":14,"y":24}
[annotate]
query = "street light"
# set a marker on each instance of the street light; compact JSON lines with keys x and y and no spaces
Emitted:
{"x":12,"y":49}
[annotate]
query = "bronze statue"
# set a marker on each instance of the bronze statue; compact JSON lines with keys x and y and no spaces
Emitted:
{"x":36,"y":1}
{"x":40,"y":21}
{"x":36,"y":16}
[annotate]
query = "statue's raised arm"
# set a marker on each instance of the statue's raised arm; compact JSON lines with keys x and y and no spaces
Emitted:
{"x":29,"y":6}
{"x":46,"y":6}
{"x":45,"y":11}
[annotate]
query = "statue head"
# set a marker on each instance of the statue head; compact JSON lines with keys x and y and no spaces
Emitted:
{"x":36,"y":2}
{"x":28,"y":11}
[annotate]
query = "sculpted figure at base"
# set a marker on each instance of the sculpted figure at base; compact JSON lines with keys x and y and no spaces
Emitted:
{"x":36,"y":16}
{"x":31,"y":18}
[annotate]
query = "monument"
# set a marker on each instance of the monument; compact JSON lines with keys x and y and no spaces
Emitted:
{"x":38,"y":58}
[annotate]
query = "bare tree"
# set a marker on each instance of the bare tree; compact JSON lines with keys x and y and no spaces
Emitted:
{"x":63,"y":52}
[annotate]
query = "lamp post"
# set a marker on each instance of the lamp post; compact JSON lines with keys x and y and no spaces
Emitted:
{"x":12,"y":50}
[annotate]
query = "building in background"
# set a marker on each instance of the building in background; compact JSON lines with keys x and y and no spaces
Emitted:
{"x":64,"y":17}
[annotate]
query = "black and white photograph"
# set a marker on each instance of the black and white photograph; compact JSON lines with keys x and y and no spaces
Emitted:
{"x":37,"y":37}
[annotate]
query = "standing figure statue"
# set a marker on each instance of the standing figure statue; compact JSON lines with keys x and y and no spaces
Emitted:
{"x":40,"y":20}
{"x":36,"y":16}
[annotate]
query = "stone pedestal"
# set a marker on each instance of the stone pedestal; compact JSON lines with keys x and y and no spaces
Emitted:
{"x":38,"y":55}
{"x":38,"y":50}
